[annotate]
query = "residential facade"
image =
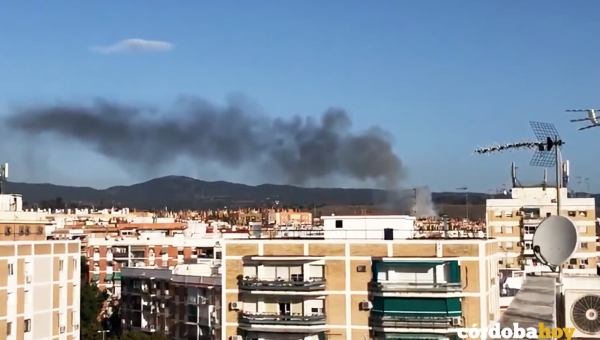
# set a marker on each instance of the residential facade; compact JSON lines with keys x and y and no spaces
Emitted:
{"x":108,"y":255}
{"x":183,"y":301}
{"x":361,"y":277}
{"x":514,"y":219}
{"x":39,"y":290}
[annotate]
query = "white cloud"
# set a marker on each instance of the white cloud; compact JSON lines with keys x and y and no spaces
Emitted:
{"x":134,"y":45}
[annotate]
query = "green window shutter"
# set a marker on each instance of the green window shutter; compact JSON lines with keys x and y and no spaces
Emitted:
{"x":454,"y":271}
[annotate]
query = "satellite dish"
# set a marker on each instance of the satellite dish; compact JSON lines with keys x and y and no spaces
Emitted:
{"x":555,"y":240}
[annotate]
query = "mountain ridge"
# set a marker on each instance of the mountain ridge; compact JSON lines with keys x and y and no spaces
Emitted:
{"x":182,"y":192}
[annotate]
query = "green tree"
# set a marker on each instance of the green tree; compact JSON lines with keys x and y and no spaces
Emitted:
{"x":92,"y":301}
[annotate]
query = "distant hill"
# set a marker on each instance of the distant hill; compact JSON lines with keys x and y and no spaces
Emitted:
{"x":178,"y":192}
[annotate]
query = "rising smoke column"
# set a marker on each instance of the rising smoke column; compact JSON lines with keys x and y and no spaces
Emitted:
{"x":299,"y":148}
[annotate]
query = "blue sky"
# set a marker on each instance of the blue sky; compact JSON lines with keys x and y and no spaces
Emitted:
{"x":443,"y":77}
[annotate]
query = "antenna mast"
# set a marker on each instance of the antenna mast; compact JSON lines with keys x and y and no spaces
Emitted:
{"x":3,"y":177}
{"x":547,"y":138}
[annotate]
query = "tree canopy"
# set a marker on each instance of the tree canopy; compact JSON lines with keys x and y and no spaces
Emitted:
{"x":92,"y":301}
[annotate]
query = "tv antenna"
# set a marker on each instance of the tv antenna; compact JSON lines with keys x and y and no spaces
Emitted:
{"x":591,"y":117}
{"x":548,"y":140}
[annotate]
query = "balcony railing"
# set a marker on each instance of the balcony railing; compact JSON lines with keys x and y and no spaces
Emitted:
{"x":314,"y":284}
{"x":384,"y":321}
{"x":285,"y":320}
{"x":440,"y":287}
{"x":120,"y":255}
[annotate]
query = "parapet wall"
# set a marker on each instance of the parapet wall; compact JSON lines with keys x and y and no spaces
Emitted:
{"x":535,"y":303}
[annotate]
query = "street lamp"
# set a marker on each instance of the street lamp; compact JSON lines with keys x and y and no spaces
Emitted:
{"x":466,"y":199}
{"x":104,"y":334}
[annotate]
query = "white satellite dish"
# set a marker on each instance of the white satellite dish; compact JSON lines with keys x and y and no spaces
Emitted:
{"x":555,"y":240}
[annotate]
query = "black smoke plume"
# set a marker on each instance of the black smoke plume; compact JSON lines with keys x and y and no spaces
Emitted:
{"x":299,"y":148}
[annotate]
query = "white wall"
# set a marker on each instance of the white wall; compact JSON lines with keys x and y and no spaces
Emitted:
{"x":368,"y":227}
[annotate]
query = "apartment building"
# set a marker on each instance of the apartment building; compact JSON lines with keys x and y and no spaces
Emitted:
{"x":183,"y":301}
{"x":39,"y":290}
{"x":141,"y":248}
{"x":360,"y":277}
{"x":513,"y":220}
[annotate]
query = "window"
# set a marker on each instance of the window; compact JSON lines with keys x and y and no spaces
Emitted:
{"x":497,"y":213}
{"x":573,"y":261}
{"x":61,"y":265}
{"x":11,"y":269}
{"x":583,"y":229}
{"x":583,"y":261}
{"x":339,"y":224}
{"x":571,"y":213}
{"x":508,"y":245}
{"x":497,"y":230}
{"x":27,"y":325}
{"x":584,"y":245}
{"x":8,"y":328}
{"x":75,"y":265}
{"x":548,"y":214}
{"x":508,"y":214}
{"x":508,"y":230}
{"x":583,"y":213}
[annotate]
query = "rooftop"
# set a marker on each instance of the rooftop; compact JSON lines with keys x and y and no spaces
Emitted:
{"x":535,"y":303}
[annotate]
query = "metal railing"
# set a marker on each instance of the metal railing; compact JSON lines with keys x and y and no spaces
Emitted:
{"x":441,"y":287}
{"x":380,"y":320}
{"x":287,"y":320}
{"x":314,"y":284}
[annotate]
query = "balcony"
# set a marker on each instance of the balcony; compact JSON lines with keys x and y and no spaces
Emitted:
{"x":282,"y":320}
{"x":418,"y":287}
{"x":253,"y":284}
{"x":387,"y":321}
{"x":120,"y":254}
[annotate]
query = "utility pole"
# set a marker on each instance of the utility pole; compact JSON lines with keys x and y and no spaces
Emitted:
{"x":104,"y":334}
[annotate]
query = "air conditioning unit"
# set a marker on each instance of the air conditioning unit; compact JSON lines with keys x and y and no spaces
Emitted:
{"x":582,"y":313}
{"x":366,"y":305}
{"x":235,"y":305}
{"x":28,"y":278}
{"x":457,"y":321}
{"x":236,"y":337}
{"x":582,"y":266}
{"x":61,"y":329}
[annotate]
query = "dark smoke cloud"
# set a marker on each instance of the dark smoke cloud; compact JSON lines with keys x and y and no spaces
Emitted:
{"x":300,"y":149}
